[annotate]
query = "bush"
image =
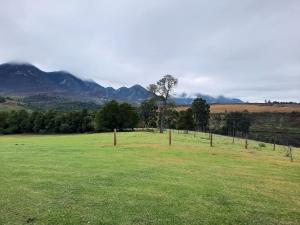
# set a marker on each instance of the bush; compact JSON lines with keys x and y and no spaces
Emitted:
{"x":2,"y":99}
{"x":262,"y":145}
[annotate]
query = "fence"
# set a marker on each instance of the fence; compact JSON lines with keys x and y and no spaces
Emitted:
{"x":211,"y":135}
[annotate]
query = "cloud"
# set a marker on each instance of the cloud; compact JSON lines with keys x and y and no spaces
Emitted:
{"x":247,"y":49}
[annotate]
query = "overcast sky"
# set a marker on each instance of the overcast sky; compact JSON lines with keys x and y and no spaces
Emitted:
{"x":249,"y":49}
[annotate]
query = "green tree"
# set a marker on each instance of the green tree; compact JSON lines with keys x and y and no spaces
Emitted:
{"x":18,"y":122}
{"x":2,"y":99}
{"x":148,"y":113}
{"x":49,"y":121}
{"x":114,"y":115}
{"x":128,"y":116}
{"x":171,"y":117}
{"x":3,"y":122}
{"x":237,"y":122}
{"x":162,"y":91}
{"x":200,"y":113}
{"x":38,"y":122}
{"x":107,"y":117}
{"x":186,"y":120}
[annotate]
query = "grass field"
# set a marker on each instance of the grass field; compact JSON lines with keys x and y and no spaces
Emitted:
{"x":251,"y":107}
{"x":10,"y":105}
{"x":83,"y":179}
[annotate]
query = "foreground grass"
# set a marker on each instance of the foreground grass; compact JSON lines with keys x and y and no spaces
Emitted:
{"x":83,"y":179}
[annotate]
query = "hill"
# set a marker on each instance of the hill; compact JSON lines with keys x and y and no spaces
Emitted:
{"x":26,"y":80}
{"x":84,"y":179}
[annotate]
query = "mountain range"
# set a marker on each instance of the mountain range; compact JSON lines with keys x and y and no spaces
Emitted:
{"x":23,"y":80}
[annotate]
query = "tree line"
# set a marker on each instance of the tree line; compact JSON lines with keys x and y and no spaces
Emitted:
{"x":111,"y":115}
{"x":158,"y":111}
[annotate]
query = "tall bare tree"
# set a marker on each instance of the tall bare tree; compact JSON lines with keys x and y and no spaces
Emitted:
{"x":162,"y":91}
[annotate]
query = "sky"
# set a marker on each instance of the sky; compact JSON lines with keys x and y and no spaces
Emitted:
{"x":246,"y":49}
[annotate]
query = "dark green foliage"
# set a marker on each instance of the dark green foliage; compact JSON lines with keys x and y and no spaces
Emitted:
{"x":2,"y":99}
{"x":49,"y":122}
{"x":171,"y":118}
{"x":107,"y":117}
{"x":200,"y":113}
{"x":3,"y":122}
{"x":237,"y":122}
{"x":186,"y":120}
{"x":148,"y":113}
{"x":112,"y":115}
{"x":128,"y":116}
{"x":215,"y":122}
{"x":115,"y":115}
{"x":18,"y":122}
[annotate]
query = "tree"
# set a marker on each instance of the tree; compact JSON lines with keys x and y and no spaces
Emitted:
{"x":128,"y":116}
{"x":114,"y":115}
{"x":171,"y":117}
{"x":148,"y":113}
{"x":18,"y":122}
{"x":107,"y":117}
{"x":49,"y":121}
{"x":162,"y":91}
{"x":186,"y":120}
{"x":200,"y":113}
{"x":215,"y":122}
{"x":2,"y":99}
{"x":237,"y":121}
{"x":3,"y":122}
{"x":87,"y":119}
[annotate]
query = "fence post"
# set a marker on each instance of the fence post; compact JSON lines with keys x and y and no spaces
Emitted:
{"x":274,"y":144}
{"x":232,"y":137}
{"x":170,"y":137}
{"x":115,"y":137}
{"x":211,"y":139}
{"x":291,"y":154}
{"x":246,"y":142}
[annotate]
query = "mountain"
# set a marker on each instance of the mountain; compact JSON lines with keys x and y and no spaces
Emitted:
{"x":26,"y":80}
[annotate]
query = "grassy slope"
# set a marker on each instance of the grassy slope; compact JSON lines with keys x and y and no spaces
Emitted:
{"x":83,"y":179}
{"x":10,"y":105}
{"x":251,"y":107}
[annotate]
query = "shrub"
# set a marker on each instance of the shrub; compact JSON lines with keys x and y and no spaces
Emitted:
{"x":262,"y":145}
{"x":2,"y":99}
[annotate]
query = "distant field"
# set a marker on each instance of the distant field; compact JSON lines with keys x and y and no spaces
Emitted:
{"x":83,"y":179}
{"x":251,"y":107}
{"x":10,"y":105}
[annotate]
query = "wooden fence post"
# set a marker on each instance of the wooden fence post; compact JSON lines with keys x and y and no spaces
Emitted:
{"x":246,"y":142}
{"x":232,"y":137}
{"x":170,"y":137}
{"x":115,"y":137}
{"x":274,"y":144}
{"x":291,"y":154}
{"x":211,"y":139}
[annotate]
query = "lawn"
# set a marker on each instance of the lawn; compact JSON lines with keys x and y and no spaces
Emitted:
{"x":83,"y":179}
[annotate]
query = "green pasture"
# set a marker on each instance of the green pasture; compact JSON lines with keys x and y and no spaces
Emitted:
{"x":84,"y":179}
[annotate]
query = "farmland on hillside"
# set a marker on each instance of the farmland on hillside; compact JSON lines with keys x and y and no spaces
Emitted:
{"x":11,"y":105}
{"x":84,"y":179}
{"x":251,"y":107}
